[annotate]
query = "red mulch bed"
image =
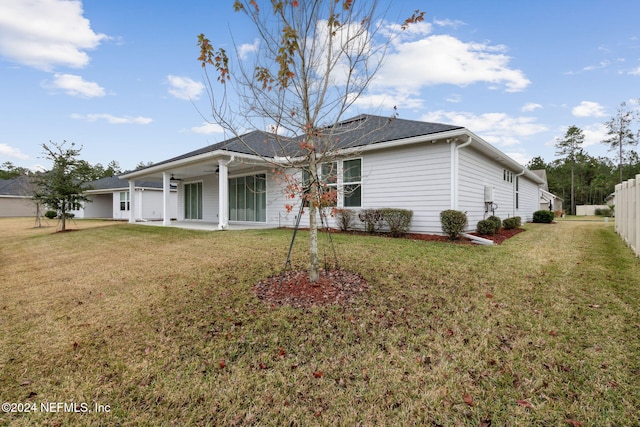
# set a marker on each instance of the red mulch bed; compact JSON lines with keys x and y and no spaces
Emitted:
{"x":337,"y":287}
{"x":294,"y":288}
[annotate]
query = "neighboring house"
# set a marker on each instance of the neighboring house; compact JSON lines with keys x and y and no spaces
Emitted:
{"x":548,"y":200}
{"x":111,"y":198}
{"x":16,"y":197}
{"x":424,"y":167}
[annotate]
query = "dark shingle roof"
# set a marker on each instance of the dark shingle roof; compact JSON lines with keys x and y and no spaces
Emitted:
{"x":355,"y":132}
{"x":366,"y":130}
{"x":20,"y":186}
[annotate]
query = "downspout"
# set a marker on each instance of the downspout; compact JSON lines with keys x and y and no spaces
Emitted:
{"x":516,"y":183}
{"x":455,"y":164}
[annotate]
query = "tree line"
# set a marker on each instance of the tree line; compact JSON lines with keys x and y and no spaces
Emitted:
{"x":582,"y":179}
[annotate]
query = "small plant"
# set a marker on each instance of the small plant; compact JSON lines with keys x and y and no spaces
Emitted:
{"x":371,"y":218}
{"x":486,"y":227}
{"x":603,"y":212}
{"x":345,"y":219}
{"x":398,"y":220}
{"x":497,"y":222}
{"x":511,"y":223}
{"x":453,"y":223}
{"x":51,"y":214}
{"x":543,"y":216}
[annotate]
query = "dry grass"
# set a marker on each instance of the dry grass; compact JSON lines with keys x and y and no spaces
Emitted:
{"x":162,"y":325}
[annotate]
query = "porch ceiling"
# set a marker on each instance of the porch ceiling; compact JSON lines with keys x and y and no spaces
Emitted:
{"x":204,"y":167}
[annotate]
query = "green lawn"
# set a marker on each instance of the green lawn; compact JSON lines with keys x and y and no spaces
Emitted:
{"x":162,"y":326}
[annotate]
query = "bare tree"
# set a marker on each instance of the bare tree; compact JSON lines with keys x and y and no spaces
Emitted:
{"x":315,"y":59}
{"x":620,"y":132}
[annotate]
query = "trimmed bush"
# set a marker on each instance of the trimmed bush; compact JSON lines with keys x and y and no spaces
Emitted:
{"x":486,"y":227}
{"x":603,"y":212}
{"x":372,"y":219}
{"x":511,"y":223}
{"x":345,"y":218}
{"x":497,"y":222}
{"x":543,"y":216}
{"x":398,"y":220}
{"x":51,"y":214}
{"x":453,"y":223}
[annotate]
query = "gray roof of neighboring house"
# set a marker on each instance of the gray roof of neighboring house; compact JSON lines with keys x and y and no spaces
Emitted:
{"x":355,"y":132}
{"x":20,"y":186}
{"x":542,"y":173}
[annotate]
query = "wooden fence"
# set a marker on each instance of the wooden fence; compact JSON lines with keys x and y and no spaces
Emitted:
{"x":628,"y":212}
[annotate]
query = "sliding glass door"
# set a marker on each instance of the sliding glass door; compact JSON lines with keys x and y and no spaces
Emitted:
{"x":248,"y":198}
{"x":193,"y":201}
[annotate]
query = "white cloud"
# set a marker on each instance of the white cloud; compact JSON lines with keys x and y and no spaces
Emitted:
{"x":531,"y":106}
{"x":184,"y":87}
{"x":443,"y":59}
{"x":245,"y":49}
{"x":521,"y":158}
{"x":109,"y":118}
{"x":9,"y":151}
{"x":75,"y":86}
{"x":496,"y":128}
{"x":588,"y":109}
{"x":453,"y":23}
{"x":46,"y":33}
{"x":635,"y":72}
{"x":207,"y":129}
{"x":594,"y":134}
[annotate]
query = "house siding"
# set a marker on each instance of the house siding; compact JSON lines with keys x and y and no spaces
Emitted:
{"x":11,"y":206}
{"x":477,"y":171}
{"x":415,"y":177}
{"x":529,"y":199}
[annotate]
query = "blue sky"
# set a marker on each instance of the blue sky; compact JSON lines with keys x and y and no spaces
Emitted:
{"x":120,"y":78}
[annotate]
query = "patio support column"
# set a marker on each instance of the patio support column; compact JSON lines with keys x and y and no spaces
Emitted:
{"x":132,"y":203}
{"x":166,"y":193}
{"x":223,"y":194}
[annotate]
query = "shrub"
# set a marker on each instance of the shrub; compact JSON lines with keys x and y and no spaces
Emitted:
{"x":51,"y":214}
{"x":398,"y":220}
{"x":453,"y":223}
{"x":486,"y":227}
{"x":603,"y":212}
{"x":511,"y":223}
{"x":371,"y":218}
{"x":345,"y":218}
{"x":497,"y":222}
{"x":543,"y":216}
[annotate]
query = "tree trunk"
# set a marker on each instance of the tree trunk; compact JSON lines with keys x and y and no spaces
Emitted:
{"x":314,"y":273}
{"x":573,"y":195}
{"x":314,"y":262}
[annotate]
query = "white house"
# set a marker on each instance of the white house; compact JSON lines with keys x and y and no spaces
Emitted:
{"x":381,"y":162}
{"x":16,"y":197}
{"x":111,"y":198}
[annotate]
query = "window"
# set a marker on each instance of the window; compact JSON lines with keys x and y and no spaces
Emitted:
{"x":352,"y":183}
{"x":329,"y":179}
{"x":507,"y":175}
{"x":193,"y":201}
{"x":248,"y":198}
{"x":125,"y":203}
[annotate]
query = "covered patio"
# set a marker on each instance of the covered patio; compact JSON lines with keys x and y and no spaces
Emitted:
{"x":204,"y":226}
